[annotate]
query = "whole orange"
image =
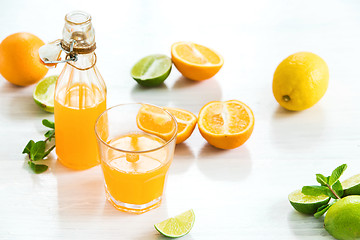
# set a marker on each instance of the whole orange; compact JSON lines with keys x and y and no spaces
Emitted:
{"x":20,"y":63}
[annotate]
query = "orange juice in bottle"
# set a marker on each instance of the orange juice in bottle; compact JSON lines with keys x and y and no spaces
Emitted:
{"x":80,"y":95}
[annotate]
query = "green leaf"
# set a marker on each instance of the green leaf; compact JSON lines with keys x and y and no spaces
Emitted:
{"x":337,"y":187}
{"x":48,"y":123}
{"x":50,"y":134}
{"x":28,"y":147}
{"x":335,"y":175}
{"x":37,"y":150}
{"x":38,"y":168}
{"x":321,"y":179}
{"x":330,"y":193}
{"x":321,"y":210}
{"x":314,"y":190}
{"x":48,"y":151}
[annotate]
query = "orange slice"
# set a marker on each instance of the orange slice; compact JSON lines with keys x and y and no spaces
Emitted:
{"x":226,"y":125}
{"x":186,"y":123}
{"x":155,"y":121}
{"x":195,"y":61}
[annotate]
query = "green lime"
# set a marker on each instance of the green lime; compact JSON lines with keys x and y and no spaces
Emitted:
{"x":152,"y":70}
{"x":351,"y":186}
{"x":44,"y":93}
{"x":177,"y":226}
{"x":342,"y":220}
{"x":305,"y":203}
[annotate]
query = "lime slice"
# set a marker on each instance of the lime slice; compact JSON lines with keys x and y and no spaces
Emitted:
{"x":305,"y":203}
{"x":44,"y":93}
{"x":152,"y":70}
{"x":351,"y":186}
{"x":177,"y":226}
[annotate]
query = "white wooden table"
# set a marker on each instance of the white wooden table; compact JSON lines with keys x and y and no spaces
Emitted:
{"x":236,"y":194}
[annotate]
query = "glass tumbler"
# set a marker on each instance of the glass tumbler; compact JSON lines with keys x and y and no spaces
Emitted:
{"x":136,"y":145}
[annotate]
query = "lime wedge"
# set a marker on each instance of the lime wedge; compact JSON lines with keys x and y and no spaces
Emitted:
{"x":177,"y":226}
{"x":305,"y":203}
{"x":351,"y":186}
{"x":44,"y":93}
{"x":152,"y":70}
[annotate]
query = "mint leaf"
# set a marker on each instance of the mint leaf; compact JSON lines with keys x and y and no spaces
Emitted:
{"x":321,"y":210}
{"x":335,"y":175}
{"x":37,"y":150}
{"x":330,"y":193}
{"x":28,"y":147}
{"x":337,"y":187}
{"x":48,"y":151}
{"x":314,"y":190}
{"x":38,"y":168}
{"x":48,"y":123}
{"x":50,"y":134}
{"x":321,"y":179}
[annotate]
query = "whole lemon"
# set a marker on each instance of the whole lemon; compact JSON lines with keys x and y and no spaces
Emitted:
{"x":300,"y":81}
{"x":342,"y":220}
{"x":20,"y":63}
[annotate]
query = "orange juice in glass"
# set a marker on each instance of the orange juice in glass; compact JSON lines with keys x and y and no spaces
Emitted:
{"x":136,"y":145}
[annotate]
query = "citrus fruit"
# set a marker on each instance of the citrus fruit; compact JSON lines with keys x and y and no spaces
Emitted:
{"x":152,"y":70}
{"x":195,"y":61}
{"x":300,"y":81}
{"x":226,"y":124}
{"x":351,"y":185}
{"x":20,"y":63}
{"x":186,"y":123}
{"x":44,"y":93}
{"x":305,"y":203}
{"x":342,"y":220}
{"x":177,"y":226}
{"x":155,"y":121}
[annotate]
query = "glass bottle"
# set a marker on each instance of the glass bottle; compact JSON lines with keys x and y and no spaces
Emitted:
{"x":80,"y":95}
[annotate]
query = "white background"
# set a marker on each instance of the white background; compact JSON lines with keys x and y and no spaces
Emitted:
{"x":236,"y":194}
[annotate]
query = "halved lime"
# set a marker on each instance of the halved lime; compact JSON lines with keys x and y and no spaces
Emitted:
{"x":305,"y":203}
{"x":44,"y":93}
{"x":177,"y":226}
{"x":152,"y":70}
{"x":351,"y":186}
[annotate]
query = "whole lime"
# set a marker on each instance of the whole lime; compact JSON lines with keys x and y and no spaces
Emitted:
{"x":342,"y":220}
{"x":300,"y":81}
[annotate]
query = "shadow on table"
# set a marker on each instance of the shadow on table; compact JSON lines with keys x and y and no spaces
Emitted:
{"x":306,"y":225}
{"x":288,"y":128}
{"x":224,"y":165}
{"x":183,"y":159}
{"x":184,"y":93}
{"x":80,"y":193}
{"x":20,"y":106}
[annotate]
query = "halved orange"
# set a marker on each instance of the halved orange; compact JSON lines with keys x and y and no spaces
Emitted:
{"x":195,"y":61}
{"x":226,"y":125}
{"x":156,"y":121}
{"x":186,"y":123}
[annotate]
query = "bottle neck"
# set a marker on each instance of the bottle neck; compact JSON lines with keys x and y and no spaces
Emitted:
{"x":84,"y":61}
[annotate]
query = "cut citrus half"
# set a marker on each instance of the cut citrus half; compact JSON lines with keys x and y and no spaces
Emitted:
{"x":186,"y":123}
{"x":152,"y":70}
{"x":226,"y":124}
{"x":195,"y":61}
{"x":155,"y":121}
{"x":351,"y":185}
{"x":305,"y":203}
{"x":44,"y":93}
{"x":177,"y":226}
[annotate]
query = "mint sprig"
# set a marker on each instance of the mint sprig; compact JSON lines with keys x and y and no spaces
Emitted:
{"x":330,"y":186}
{"x":37,"y":150}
